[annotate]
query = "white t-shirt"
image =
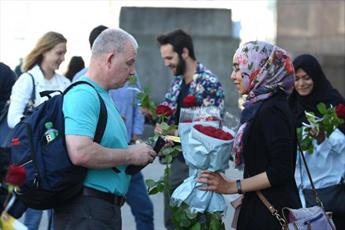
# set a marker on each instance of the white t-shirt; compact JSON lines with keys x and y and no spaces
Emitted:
{"x":22,"y":89}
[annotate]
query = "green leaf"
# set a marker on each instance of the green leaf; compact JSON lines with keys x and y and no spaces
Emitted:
{"x":153,"y":191}
{"x":322,"y":108}
{"x":184,"y":221}
{"x":168,"y":159}
{"x":160,"y":188}
{"x":177,"y":148}
{"x":215,"y":222}
{"x":150,"y":182}
{"x":196,"y":226}
{"x":190,"y":215}
{"x":167,"y":150}
{"x":164,"y":126}
{"x":310,"y":149}
{"x":173,"y":127}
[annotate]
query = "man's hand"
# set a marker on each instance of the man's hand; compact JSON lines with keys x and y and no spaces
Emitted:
{"x":158,"y":129}
{"x":140,"y":154}
{"x":146,"y":112}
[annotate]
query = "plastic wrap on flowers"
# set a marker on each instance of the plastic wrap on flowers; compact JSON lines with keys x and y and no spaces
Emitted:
{"x":190,"y":116}
{"x":208,"y":148}
{"x":185,"y":124}
{"x":209,"y":152}
{"x":197,"y":200}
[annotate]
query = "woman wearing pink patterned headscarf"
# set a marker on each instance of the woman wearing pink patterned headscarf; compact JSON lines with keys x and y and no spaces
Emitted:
{"x":265,"y":144}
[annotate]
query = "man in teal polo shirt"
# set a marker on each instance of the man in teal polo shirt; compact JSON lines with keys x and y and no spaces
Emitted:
{"x":98,"y":207}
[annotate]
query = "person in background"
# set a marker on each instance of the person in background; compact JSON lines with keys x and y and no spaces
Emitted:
{"x":263,"y":72}
{"x":92,"y":37}
{"x":327,"y":162}
{"x":127,"y":103}
{"x":191,"y":78}
{"x":75,"y":65}
{"x":99,"y":205}
{"x":7,"y":80}
{"x":40,"y":64}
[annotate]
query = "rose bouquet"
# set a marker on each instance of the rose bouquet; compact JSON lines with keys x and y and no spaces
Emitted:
{"x":331,"y":118}
{"x":205,"y":145}
{"x":191,"y":110}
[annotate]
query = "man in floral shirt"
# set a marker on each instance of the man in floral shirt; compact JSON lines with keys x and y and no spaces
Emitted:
{"x":191,"y":79}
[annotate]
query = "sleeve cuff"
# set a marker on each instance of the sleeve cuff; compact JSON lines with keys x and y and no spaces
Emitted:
{"x":335,"y":142}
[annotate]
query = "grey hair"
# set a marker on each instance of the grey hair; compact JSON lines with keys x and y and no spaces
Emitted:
{"x":111,"y":40}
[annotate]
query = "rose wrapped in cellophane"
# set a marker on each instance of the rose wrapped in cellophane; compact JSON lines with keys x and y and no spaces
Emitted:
{"x":206,"y":145}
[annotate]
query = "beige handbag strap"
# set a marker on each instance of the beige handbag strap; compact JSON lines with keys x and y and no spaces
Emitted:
{"x":272,"y":210}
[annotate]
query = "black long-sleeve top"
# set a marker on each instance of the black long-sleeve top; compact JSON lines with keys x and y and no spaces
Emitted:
{"x":270,"y":146}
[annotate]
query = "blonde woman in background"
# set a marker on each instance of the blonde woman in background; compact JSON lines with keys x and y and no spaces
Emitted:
{"x":39,"y":68}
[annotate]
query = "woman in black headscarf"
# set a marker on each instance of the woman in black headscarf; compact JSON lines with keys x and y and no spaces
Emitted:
{"x":327,"y":162}
{"x":322,"y":90}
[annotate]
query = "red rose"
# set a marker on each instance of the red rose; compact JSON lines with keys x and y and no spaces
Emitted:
{"x":189,"y":101}
{"x":163,"y":110}
{"x":15,"y":175}
{"x":214,"y":132}
{"x":340,"y":111}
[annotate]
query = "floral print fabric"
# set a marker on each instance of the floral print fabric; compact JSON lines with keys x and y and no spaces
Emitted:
{"x":205,"y":87}
{"x":265,"y":68}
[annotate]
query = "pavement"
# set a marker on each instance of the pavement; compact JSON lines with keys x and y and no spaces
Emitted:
{"x":155,"y":171}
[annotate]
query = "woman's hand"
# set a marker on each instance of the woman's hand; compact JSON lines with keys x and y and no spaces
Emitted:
{"x":318,"y":136}
{"x":216,"y":182}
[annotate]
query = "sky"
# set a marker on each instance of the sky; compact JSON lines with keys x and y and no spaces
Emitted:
{"x":23,"y":22}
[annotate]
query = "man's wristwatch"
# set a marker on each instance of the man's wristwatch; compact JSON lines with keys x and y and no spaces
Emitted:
{"x":238,"y":186}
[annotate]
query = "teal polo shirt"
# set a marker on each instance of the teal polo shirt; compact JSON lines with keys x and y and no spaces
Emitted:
{"x":81,"y":108}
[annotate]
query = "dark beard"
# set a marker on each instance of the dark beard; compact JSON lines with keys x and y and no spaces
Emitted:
{"x":181,"y":66}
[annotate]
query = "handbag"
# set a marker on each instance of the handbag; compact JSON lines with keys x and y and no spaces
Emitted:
{"x":6,"y":131}
{"x":312,"y":218}
{"x":332,"y":197}
{"x":236,"y":204}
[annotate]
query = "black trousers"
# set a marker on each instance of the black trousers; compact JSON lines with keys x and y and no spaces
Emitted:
{"x":87,"y":213}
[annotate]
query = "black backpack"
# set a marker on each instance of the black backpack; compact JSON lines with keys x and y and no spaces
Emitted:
{"x":51,"y":178}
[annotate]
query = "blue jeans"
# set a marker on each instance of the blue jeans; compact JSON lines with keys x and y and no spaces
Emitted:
{"x":140,"y":203}
{"x":33,"y":218}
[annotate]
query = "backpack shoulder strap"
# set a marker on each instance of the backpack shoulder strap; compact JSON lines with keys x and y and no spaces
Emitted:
{"x":103,"y":115}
